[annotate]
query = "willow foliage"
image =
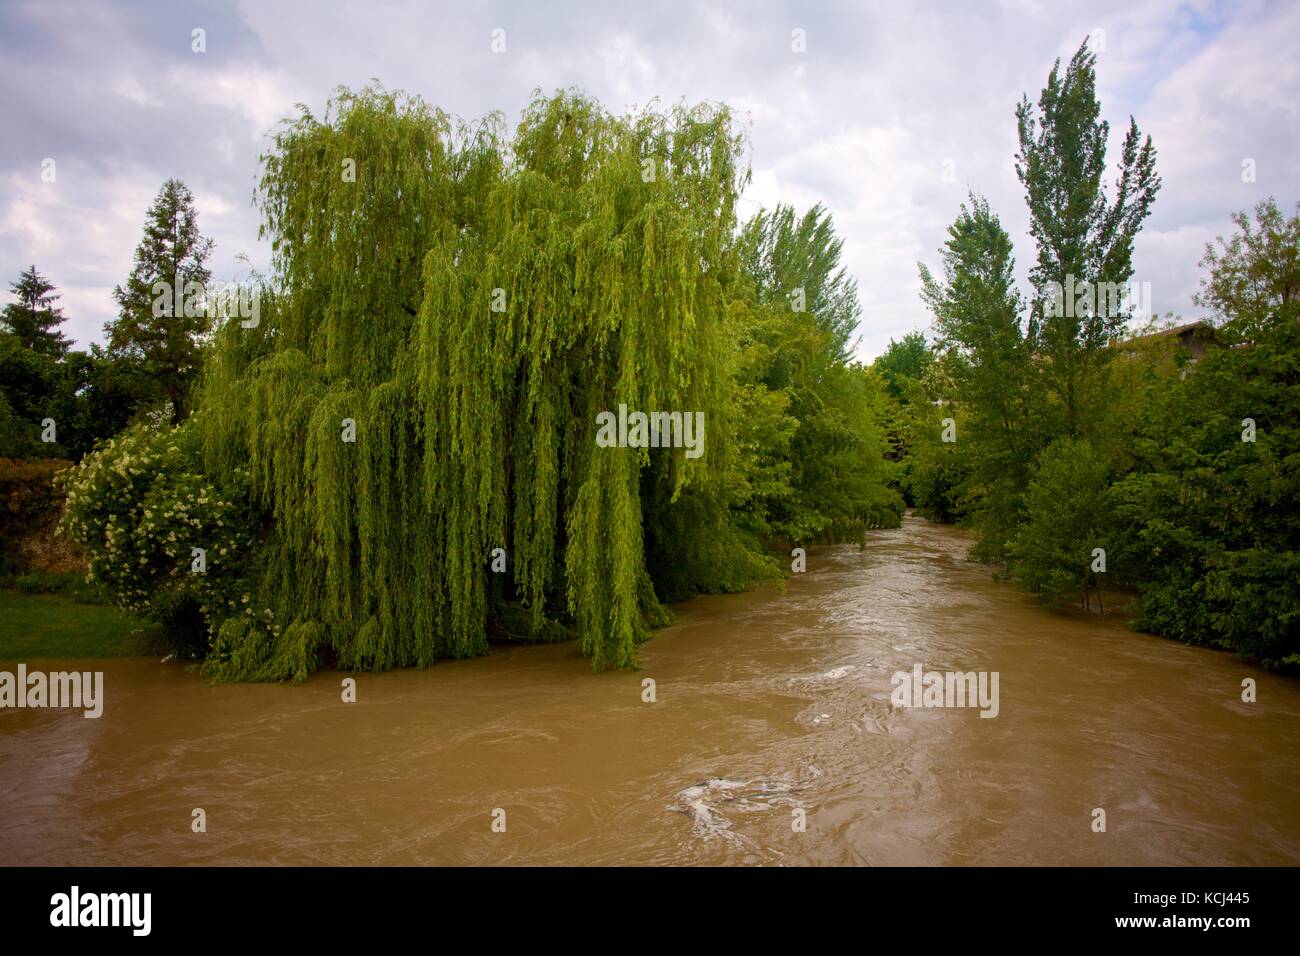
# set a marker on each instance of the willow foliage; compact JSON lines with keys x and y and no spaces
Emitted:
{"x":404,"y":456}
{"x":470,"y":305}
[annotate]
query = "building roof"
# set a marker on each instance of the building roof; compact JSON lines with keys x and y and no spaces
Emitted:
{"x":1186,"y":328}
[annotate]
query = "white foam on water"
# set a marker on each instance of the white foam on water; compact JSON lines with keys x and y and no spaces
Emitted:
{"x":703,"y":802}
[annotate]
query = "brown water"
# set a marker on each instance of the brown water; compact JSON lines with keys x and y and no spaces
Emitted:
{"x":767,"y":702}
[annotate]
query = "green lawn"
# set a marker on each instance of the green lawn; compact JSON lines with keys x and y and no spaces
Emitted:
{"x":34,"y":626}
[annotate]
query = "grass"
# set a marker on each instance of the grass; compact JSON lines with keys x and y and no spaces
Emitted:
{"x":35,"y":626}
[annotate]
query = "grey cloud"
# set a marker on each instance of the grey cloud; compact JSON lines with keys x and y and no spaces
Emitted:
{"x":861,"y":122}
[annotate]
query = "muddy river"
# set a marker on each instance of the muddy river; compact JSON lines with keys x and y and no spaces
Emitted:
{"x":772,"y":739}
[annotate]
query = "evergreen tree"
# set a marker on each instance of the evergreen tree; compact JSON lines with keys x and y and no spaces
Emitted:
{"x":26,"y":386}
{"x":162,"y":319}
{"x":34,"y":318}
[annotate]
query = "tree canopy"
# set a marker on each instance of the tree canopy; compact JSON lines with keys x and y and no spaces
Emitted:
{"x":1085,"y":456}
{"x":414,"y":420}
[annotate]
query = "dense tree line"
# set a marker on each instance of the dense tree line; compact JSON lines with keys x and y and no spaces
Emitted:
{"x":398,"y":461}
{"x":57,"y":402}
{"x":1083,"y":456}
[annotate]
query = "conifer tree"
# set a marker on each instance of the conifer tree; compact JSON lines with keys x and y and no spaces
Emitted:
{"x":162,"y":320}
{"x":34,"y":318}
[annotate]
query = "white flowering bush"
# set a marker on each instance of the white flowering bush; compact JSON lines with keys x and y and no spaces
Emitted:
{"x":139,"y":505}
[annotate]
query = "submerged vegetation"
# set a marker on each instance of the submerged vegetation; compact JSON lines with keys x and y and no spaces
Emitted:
{"x":399,"y":460}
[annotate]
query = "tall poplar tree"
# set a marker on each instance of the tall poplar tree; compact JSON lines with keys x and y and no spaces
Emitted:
{"x":1083,"y":235}
{"x":795,"y":261}
{"x":801,"y":308}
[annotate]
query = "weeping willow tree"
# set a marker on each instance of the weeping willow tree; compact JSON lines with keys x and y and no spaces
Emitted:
{"x":409,"y":441}
{"x":449,"y":314}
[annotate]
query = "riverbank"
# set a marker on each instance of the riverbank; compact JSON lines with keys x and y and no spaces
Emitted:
{"x":58,"y":627}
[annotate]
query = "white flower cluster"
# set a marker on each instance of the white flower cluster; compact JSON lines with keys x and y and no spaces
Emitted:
{"x":139,"y":507}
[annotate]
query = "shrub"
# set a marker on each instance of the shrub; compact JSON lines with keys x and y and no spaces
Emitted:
{"x":71,"y":584}
{"x":139,"y":505}
{"x":1066,"y":517}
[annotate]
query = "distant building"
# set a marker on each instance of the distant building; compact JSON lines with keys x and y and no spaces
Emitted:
{"x":1195,"y":337}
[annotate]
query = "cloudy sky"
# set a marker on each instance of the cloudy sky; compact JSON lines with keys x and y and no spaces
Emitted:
{"x":889,"y":116}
